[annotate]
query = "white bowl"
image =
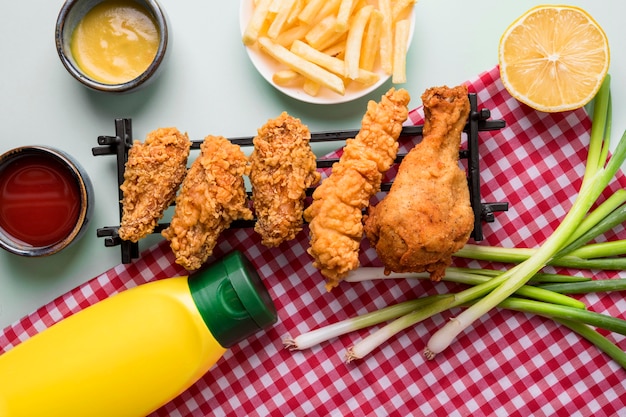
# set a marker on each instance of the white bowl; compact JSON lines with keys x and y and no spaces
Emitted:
{"x":267,"y":66}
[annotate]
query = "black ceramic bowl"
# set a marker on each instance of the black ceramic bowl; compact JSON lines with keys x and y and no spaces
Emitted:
{"x":46,"y":201}
{"x":71,"y":14}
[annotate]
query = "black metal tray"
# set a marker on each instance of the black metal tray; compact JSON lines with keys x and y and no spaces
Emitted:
{"x":478,"y":121}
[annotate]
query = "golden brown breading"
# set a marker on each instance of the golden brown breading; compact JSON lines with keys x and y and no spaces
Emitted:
{"x":212,"y":196}
{"x":335,"y":215}
{"x":427,"y":216}
{"x":154,"y":171}
{"x":282,"y":166}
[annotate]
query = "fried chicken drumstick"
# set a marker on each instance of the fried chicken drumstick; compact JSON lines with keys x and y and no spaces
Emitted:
{"x":154,"y":171}
{"x":335,"y":215}
{"x":212,"y":196}
{"x":427,"y":216}
{"x":282,"y":166}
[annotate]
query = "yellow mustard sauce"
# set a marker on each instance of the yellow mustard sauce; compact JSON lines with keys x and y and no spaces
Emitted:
{"x":115,"y":42}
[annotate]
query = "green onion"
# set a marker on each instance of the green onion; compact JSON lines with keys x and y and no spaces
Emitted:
{"x":597,"y":339}
{"x":377,"y":338}
{"x":590,"y":255}
{"x":467,"y":277}
{"x":381,"y":335}
{"x":323,"y":334}
{"x":591,"y":318}
{"x":600,"y":285}
{"x":609,"y":214}
{"x":597,"y":177}
{"x":538,"y":277}
{"x":374,"y":272}
{"x":544,"y":277}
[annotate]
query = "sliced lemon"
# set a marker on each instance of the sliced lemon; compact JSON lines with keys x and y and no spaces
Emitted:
{"x":554,"y":58}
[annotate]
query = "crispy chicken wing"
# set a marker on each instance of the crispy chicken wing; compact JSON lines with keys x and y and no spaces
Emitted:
{"x":212,"y":196}
{"x":154,"y":171}
{"x":282,"y":166}
{"x":427,"y":216}
{"x":335,"y":215}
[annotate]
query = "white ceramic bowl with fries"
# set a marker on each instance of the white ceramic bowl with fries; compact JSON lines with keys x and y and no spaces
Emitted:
{"x":338,"y":67}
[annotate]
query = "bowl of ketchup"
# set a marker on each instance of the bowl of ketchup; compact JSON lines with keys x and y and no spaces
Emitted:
{"x":46,"y":201}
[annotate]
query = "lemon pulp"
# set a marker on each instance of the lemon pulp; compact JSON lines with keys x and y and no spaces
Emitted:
{"x":554,"y":58}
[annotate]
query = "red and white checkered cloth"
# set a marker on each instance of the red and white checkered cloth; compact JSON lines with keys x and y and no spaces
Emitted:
{"x":508,"y":363}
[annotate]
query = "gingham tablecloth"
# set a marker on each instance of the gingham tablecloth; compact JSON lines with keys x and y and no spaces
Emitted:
{"x":508,"y":363}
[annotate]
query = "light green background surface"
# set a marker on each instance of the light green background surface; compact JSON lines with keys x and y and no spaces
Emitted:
{"x":210,"y":87}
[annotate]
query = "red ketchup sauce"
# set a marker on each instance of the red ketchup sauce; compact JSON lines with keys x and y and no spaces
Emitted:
{"x":39,"y":200}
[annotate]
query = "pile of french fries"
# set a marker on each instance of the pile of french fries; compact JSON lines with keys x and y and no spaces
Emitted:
{"x":331,"y":43}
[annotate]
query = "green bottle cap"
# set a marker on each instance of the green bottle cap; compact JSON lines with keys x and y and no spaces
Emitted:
{"x":232,"y":299}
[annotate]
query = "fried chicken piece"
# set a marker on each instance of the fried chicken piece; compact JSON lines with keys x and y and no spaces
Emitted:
{"x":154,"y":171}
{"x":282,"y":166}
{"x":335,"y":214}
{"x":212,"y":196}
{"x":427,"y":216}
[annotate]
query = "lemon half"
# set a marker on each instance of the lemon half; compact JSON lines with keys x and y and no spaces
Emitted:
{"x":554,"y":58}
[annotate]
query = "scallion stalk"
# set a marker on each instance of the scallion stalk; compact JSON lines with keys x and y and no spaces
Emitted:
{"x":466,"y":277}
{"x":371,"y":342}
{"x":591,"y":256}
{"x":323,"y":334}
{"x":544,"y":277}
{"x":380,"y":336}
{"x":599,"y":285}
{"x":601,"y":342}
{"x":603,"y":218}
{"x":591,"y":318}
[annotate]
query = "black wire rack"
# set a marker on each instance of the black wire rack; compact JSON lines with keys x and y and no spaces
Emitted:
{"x":478,"y":121}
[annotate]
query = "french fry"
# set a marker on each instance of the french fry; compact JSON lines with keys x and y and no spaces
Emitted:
{"x":287,"y":37}
{"x":287,"y":78}
{"x":275,"y":6}
{"x":386,"y":38}
{"x":371,"y":41}
{"x":257,"y":21}
{"x":282,"y":11}
{"x":343,"y":15}
{"x":331,"y":7}
{"x":302,"y":66}
{"x":311,"y":87}
{"x":295,"y":12}
{"x":355,"y":40}
{"x":310,"y":11}
{"x":336,"y":50}
{"x":401,"y":39}
{"x":399,"y":7}
{"x":332,"y":64}
{"x":323,"y":33}
{"x":335,"y":39}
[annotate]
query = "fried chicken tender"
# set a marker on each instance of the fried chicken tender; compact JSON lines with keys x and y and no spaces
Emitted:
{"x":212,"y":196}
{"x":154,"y":172}
{"x":282,"y":166}
{"x":335,"y":215}
{"x":427,"y":216}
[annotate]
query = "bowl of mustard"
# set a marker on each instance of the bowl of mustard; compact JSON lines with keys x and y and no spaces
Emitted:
{"x":114,"y":46}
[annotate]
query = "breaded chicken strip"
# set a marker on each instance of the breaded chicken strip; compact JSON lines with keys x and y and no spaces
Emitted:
{"x":335,"y":216}
{"x":212,"y":196}
{"x":154,"y":171}
{"x":282,"y":166}
{"x":427,"y":216}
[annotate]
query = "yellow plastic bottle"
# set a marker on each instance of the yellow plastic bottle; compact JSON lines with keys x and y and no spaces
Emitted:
{"x":132,"y":353}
